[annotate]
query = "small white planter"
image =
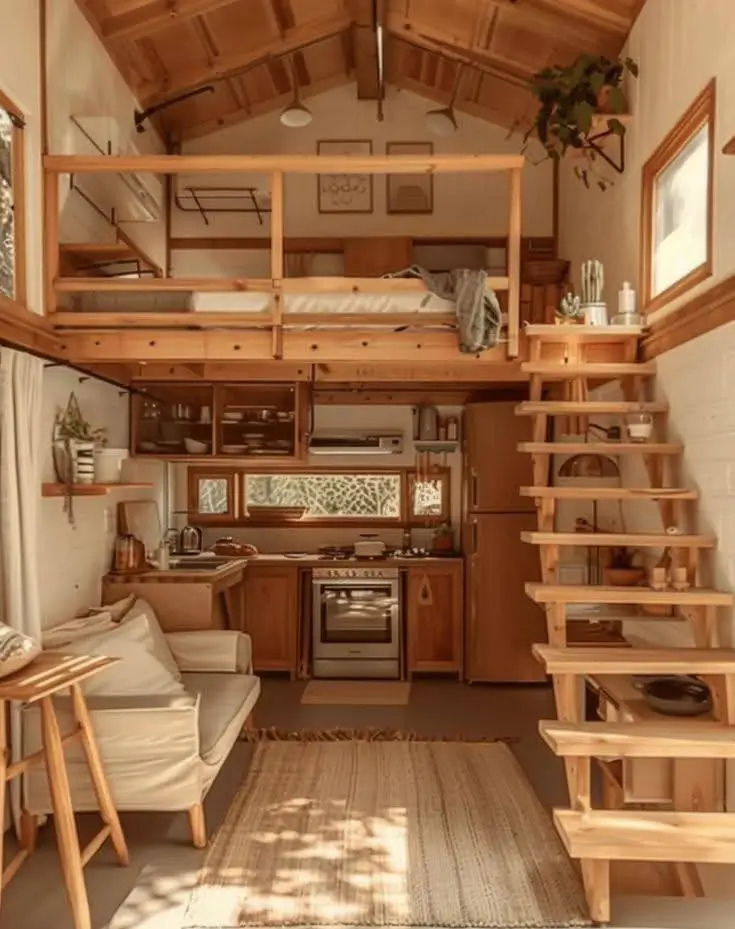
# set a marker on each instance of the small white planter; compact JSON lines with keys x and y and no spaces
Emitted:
{"x":83,"y":462}
{"x":108,"y":464}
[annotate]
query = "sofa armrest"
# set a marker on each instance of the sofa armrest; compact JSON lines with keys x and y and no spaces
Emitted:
{"x":211,"y":650}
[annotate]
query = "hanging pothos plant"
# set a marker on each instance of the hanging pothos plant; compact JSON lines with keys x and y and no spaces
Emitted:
{"x":570,"y":98}
{"x":71,"y":427}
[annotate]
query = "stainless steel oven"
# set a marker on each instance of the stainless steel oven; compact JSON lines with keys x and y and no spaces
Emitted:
{"x":356,"y":622}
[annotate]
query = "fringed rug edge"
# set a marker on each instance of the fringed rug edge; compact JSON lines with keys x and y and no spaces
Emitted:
{"x":274,"y":734}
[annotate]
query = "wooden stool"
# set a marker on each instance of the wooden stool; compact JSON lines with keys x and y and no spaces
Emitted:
{"x":37,"y":683}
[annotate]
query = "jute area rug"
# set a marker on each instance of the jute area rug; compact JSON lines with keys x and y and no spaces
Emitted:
{"x":356,"y":693}
{"x":386,"y":833}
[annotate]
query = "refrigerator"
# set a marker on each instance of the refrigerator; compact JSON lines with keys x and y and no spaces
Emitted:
{"x":502,"y":623}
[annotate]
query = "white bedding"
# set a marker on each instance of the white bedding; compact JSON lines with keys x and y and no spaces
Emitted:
{"x":255,"y":302}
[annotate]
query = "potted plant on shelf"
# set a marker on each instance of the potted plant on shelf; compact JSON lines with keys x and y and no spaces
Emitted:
{"x":74,"y":444}
{"x":569,"y":99}
{"x":621,"y":569}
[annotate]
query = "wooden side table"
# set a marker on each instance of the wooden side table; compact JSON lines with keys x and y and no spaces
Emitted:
{"x":50,"y":673}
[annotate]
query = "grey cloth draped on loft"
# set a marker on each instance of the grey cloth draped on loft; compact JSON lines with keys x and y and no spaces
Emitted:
{"x":478,"y":310}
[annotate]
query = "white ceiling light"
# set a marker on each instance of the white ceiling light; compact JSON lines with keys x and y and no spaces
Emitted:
{"x":443,"y":122}
{"x":295,"y":115}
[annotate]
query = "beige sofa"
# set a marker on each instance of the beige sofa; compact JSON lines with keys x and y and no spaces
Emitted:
{"x":161,"y":752}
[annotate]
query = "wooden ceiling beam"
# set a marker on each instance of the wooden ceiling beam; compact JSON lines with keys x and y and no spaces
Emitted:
{"x":155,"y":16}
{"x":222,"y":66}
{"x":438,"y":43}
{"x":555,"y":17}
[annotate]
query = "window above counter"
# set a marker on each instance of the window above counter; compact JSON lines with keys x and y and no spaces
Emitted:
{"x":386,"y":497}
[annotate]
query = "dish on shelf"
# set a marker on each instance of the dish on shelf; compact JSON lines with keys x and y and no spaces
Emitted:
{"x":234,"y":449}
{"x":233,"y":416}
{"x":147,"y":446}
{"x":285,"y":416}
{"x":276,"y":514}
{"x":195,"y":447}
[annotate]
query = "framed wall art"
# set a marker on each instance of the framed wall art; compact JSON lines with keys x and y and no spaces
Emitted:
{"x":345,"y":193}
{"x":409,"y":193}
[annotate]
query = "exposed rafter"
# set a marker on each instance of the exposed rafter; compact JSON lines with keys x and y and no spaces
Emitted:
{"x":165,"y":48}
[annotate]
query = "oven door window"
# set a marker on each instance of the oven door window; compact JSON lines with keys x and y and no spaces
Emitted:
{"x":358,"y":613}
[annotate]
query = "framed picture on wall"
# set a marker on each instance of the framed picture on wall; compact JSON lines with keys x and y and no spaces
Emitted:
{"x":345,"y":193}
{"x":409,"y":193}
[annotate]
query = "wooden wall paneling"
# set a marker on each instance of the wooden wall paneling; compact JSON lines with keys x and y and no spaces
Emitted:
{"x":373,"y":256}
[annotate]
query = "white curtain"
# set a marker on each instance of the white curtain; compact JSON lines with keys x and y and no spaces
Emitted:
{"x":21,"y":383}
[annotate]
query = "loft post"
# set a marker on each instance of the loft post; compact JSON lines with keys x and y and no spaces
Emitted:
{"x":277,"y":249}
{"x":514,"y":263}
{"x":51,"y":240}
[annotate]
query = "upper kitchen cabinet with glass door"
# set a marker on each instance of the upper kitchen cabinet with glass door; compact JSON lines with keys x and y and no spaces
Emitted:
{"x":172,"y":420}
{"x":261,"y":421}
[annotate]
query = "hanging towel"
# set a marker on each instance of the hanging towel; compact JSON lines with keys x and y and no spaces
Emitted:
{"x":478,"y":310}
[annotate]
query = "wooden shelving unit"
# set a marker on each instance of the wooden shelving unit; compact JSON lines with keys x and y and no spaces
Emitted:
{"x":86,"y":490}
{"x":104,"y":259}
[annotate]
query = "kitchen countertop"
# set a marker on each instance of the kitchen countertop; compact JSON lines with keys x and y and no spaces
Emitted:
{"x":217,"y":573}
{"x":309,"y":559}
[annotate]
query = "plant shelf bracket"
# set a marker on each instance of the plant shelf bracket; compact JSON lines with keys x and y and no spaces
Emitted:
{"x":592,"y":143}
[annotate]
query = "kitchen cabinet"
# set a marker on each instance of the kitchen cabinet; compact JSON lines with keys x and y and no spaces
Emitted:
{"x":434,"y":617}
{"x":503,"y":623}
{"x":272,"y":616}
{"x":201,"y":421}
{"x":494,"y":466}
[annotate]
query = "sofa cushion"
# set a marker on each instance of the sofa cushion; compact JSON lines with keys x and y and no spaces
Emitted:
{"x":138,"y":672}
{"x":226,"y":702}
{"x":163,"y":653}
{"x":117,"y":610}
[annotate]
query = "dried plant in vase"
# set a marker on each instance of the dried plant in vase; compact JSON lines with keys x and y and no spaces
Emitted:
{"x":621,"y":569}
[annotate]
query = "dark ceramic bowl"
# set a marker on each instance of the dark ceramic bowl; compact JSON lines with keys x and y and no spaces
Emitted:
{"x":678,"y":696}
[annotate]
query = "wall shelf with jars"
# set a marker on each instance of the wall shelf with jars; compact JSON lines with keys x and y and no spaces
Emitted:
{"x":228,"y":421}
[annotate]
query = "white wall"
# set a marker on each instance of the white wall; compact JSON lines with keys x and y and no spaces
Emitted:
{"x":74,"y":558}
{"x":680,"y":46}
{"x":84,"y":82}
{"x":392,"y":418}
{"x":463,"y":204}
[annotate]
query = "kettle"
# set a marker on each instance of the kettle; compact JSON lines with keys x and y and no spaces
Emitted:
{"x":190,"y":540}
{"x":128,"y":555}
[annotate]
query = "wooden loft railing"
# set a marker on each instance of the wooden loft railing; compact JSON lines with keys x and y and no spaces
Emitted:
{"x":162,"y":326}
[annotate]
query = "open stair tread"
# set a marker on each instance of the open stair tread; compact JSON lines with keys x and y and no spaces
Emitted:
{"x":639,"y":739}
{"x":578,"y":333}
{"x":632,"y":539}
{"x":610,"y":493}
{"x":554,"y":370}
{"x":582,"y":660}
{"x":627,"y":835}
{"x":601,"y":448}
{"x":583,"y":407}
{"x":584,"y":593}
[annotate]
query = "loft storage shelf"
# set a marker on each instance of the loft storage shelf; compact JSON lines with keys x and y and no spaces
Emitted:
{"x":85,"y":490}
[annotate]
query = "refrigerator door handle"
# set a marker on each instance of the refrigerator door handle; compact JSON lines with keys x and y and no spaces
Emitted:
{"x":474,"y":536}
{"x":473,"y":487}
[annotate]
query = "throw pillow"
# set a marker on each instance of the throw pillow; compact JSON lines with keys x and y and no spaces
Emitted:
{"x":161,"y":650}
{"x":58,"y":636}
{"x":139,"y":672}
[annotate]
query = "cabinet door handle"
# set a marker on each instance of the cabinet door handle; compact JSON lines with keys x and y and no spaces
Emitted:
{"x":474,"y":536}
{"x":473,"y":493}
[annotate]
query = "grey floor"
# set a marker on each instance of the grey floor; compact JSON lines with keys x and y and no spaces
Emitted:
{"x":163,"y":861}
{"x":150,"y":893}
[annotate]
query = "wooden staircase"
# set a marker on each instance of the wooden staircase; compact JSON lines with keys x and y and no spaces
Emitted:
{"x":689,"y":826}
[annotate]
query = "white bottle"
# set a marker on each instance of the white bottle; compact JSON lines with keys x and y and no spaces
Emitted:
{"x":626,"y":315}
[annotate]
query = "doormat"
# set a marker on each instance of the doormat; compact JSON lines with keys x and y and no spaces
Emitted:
{"x":386,"y":834}
{"x":356,"y":693}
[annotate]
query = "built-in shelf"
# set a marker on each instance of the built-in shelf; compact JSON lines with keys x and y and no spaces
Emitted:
{"x":85,"y":490}
{"x":104,"y":259}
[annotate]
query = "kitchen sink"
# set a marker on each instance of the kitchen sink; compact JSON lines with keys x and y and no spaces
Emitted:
{"x":203,"y":564}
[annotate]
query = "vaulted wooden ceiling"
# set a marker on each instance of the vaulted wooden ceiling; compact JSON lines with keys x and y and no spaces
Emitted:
{"x":250,"y":51}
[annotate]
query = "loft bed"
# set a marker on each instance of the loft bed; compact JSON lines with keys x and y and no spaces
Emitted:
{"x":279,"y":317}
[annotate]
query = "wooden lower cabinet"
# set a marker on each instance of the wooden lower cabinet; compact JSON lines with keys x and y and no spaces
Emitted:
{"x":272,"y":616}
{"x":502,"y":622}
{"x":434,"y":617}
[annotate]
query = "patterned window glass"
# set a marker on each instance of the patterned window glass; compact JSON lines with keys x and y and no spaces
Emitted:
{"x":427,"y":497}
{"x":7,"y":225}
{"x":214,"y":496}
{"x":329,"y":496}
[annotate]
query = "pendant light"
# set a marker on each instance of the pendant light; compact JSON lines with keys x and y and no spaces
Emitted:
{"x":295,"y":115}
{"x":443,"y":122}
